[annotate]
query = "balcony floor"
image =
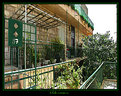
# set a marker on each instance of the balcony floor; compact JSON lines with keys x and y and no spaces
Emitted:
{"x":109,"y":84}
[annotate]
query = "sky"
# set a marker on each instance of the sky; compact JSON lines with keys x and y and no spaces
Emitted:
{"x":104,"y":17}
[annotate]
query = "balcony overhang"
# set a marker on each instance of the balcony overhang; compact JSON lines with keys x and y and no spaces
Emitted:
{"x":67,"y":15}
{"x":45,"y":16}
{"x":36,"y":16}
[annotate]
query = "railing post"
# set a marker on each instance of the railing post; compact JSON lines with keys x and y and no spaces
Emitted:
{"x":53,"y":73}
{"x":11,"y":62}
{"x":35,"y":57}
{"x":25,"y":42}
{"x":101,"y":74}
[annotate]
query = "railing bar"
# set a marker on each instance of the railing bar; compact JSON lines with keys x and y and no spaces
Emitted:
{"x":28,"y":32}
{"x":91,"y":82}
{"x":30,"y":53}
{"x":41,"y":77}
{"x":33,"y":75}
{"x":18,"y":68}
{"x":48,"y":81}
{"x":30,"y":69}
{"x":50,"y":77}
{"x":53,"y":73}
{"x":44,"y":77}
{"x":91,"y":76}
{"x":97,"y":70}
{"x":29,"y":76}
{"x":11,"y":66}
{"x":30,"y":87}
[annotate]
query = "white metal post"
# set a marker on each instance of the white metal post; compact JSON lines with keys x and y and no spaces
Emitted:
{"x":25,"y":33}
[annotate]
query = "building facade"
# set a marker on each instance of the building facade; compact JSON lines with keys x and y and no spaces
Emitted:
{"x":69,"y":22}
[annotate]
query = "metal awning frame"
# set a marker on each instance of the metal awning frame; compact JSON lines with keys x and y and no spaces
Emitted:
{"x":37,"y":17}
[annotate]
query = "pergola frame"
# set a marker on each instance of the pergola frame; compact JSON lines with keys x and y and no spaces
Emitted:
{"x":31,"y":14}
{"x":37,"y":17}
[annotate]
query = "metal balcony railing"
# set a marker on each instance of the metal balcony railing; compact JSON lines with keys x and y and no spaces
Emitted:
{"x":104,"y":71}
{"x":45,"y":75}
{"x":29,"y":79}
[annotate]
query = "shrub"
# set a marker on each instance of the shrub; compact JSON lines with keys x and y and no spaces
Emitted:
{"x":98,"y":48}
{"x":70,"y":76}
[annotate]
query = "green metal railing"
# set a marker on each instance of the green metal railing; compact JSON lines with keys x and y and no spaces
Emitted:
{"x":95,"y":80}
{"x":45,"y":76}
{"x":28,"y":76}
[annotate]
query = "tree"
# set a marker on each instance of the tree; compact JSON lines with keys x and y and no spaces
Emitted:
{"x":98,"y":48}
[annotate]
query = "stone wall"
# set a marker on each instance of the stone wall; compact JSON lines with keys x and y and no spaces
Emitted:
{"x":46,"y":35}
{"x":9,"y":9}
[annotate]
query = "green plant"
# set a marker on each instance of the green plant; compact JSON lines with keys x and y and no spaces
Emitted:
{"x":95,"y":85}
{"x":51,"y":60}
{"x":98,"y":48}
{"x":54,"y":50}
{"x":70,"y":76}
{"x":71,"y":50}
{"x":41,"y":81}
{"x":58,"y":48}
{"x":30,"y":55}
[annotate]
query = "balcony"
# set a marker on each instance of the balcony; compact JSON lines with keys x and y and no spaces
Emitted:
{"x":81,"y":12}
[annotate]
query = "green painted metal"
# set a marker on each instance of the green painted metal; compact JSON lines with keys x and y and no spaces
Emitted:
{"x":98,"y":75}
{"x":35,"y":56}
{"x":27,"y":70}
{"x":84,"y":84}
{"x":14,"y":32}
{"x":41,"y":67}
{"x":11,"y":64}
{"x":53,"y":73}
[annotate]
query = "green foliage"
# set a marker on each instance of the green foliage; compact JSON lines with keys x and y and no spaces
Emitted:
{"x":47,"y":50}
{"x":98,"y":48}
{"x":71,"y":51}
{"x":30,"y":55}
{"x":58,"y":46}
{"x":41,"y":81}
{"x":102,"y":47}
{"x":110,"y":71}
{"x":55,"y":49}
{"x":70,"y":77}
{"x":95,"y":85}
